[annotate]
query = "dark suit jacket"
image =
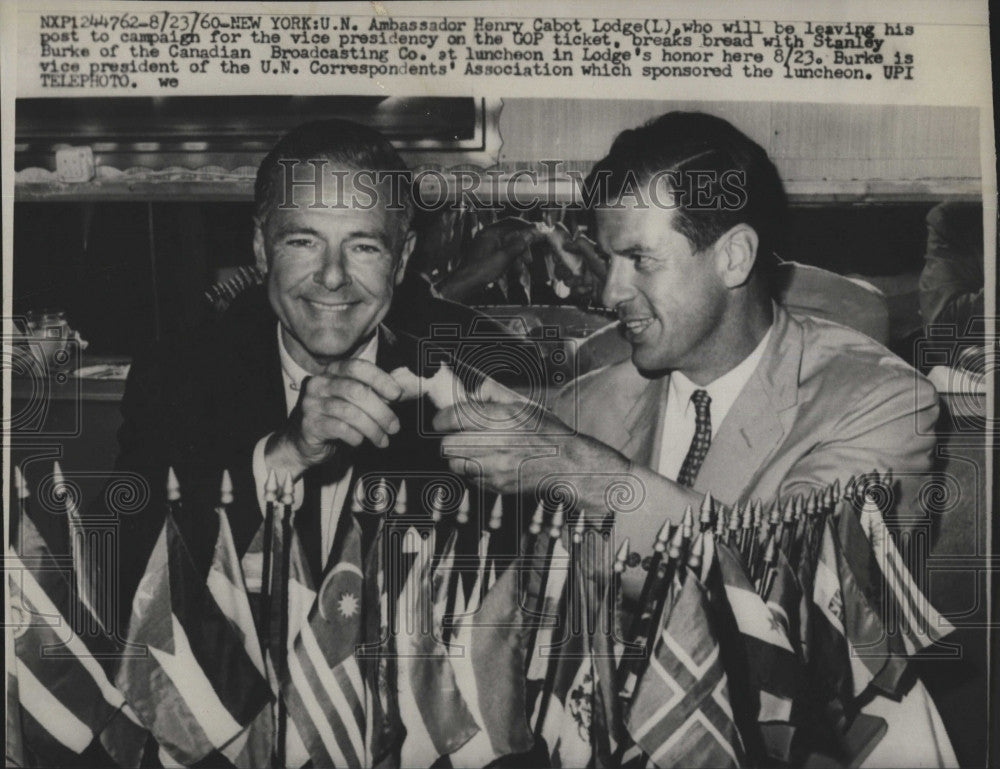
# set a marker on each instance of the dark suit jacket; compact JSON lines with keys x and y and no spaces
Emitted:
{"x":201,"y":403}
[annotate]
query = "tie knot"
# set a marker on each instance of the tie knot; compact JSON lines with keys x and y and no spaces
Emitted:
{"x":701,"y":399}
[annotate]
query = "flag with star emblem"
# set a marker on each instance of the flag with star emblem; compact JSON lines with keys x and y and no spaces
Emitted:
{"x":197,"y":688}
{"x":325,"y":691}
{"x":62,"y":680}
{"x":681,"y":713}
{"x":771,"y":666}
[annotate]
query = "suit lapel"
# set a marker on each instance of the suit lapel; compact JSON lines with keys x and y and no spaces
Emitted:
{"x":759,"y":417}
{"x":642,"y":427}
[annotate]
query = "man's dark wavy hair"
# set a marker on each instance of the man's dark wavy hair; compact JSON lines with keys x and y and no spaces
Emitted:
{"x":342,"y":143}
{"x":697,"y":148}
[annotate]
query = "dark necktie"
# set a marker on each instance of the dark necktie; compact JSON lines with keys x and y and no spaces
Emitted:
{"x":701,"y":441}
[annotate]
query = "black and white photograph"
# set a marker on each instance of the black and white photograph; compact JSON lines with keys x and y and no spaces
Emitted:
{"x":378,"y":393}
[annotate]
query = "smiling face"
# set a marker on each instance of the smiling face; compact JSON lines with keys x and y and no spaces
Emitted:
{"x":671,"y":299}
{"x":331,"y":273}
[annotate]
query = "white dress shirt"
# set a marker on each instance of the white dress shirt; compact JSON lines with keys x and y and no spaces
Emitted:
{"x":679,"y":415}
{"x":333,"y":494}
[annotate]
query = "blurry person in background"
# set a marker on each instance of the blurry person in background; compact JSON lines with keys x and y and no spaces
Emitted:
{"x":952,"y":281}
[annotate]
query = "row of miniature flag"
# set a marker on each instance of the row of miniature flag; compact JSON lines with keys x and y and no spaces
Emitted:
{"x":203,"y":687}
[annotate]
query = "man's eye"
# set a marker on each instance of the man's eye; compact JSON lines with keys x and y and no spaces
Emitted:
{"x":300,"y":242}
{"x":366,"y":248}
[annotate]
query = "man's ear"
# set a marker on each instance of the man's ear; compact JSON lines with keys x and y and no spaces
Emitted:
{"x":259,"y":248}
{"x":735,"y":254}
{"x":404,"y":255}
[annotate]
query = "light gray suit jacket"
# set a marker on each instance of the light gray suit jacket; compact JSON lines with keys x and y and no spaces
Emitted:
{"x":824,"y":403}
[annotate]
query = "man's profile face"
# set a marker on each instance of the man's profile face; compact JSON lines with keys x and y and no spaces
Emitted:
{"x":331,"y":271}
{"x":669,"y":298}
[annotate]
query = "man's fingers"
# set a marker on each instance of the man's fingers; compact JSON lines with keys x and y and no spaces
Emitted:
{"x":351,"y":415}
{"x":369,"y":374}
{"x":333,"y":429}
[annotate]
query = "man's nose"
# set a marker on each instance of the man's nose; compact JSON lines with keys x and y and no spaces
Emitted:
{"x":332,"y":272}
{"x":618,"y":284}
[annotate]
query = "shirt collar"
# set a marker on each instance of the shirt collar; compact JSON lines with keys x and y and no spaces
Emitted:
{"x":293,"y":373}
{"x":723,"y":391}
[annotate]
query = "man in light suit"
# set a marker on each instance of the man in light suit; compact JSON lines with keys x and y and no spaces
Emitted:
{"x":725,"y":392}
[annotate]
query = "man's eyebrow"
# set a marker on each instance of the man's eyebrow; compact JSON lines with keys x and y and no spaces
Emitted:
{"x":373,"y":234}
{"x":295,"y":229}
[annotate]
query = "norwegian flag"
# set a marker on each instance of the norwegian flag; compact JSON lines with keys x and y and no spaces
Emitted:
{"x":681,"y":714}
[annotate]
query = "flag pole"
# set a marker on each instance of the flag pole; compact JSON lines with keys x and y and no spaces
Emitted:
{"x":286,"y":500}
{"x":270,"y":499}
{"x":555,"y":532}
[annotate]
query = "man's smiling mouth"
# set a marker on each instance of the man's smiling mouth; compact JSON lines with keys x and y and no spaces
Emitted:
{"x":637,"y":325}
{"x":329,"y":306}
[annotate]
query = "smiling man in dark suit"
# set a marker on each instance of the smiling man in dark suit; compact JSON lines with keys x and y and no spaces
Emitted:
{"x":726,"y":392}
{"x":295,"y":377}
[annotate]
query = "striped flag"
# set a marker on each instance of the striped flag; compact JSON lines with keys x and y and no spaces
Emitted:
{"x":437,"y":719}
{"x":13,"y":738}
{"x":254,"y":745}
{"x":920,"y":623}
{"x":564,"y":713}
{"x":488,"y":653}
{"x":197,"y":688}
{"x":64,"y":690}
{"x":325,"y":691}
{"x":883,"y":654}
{"x":681,"y":713}
{"x":772,"y":668}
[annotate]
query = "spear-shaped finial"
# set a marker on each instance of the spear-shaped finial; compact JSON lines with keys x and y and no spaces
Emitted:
{"x":850,"y":488}
{"x":687,"y":523}
{"x":788,"y":513}
{"x":676,"y":544}
{"x":697,"y":553}
{"x":437,"y":502}
{"x":621,"y":557}
{"x":402,"y":501}
{"x":828,"y":498}
{"x":771,"y":551}
{"x":287,"y":494}
{"x":812,"y":506}
{"x":706,"y":515}
{"x":271,"y":487}
{"x":558,"y":519}
{"x":758,"y":514}
{"x":173,"y":486}
{"x":462,"y":516}
{"x":774,"y":515}
{"x":662,"y":537}
{"x":735,"y":520}
{"x":537,"y":519}
{"x":226,"y":489}
{"x":836,"y":491}
{"x":747,"y":522}
{"x":20,"y":485}
{"x":496,"y":514}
